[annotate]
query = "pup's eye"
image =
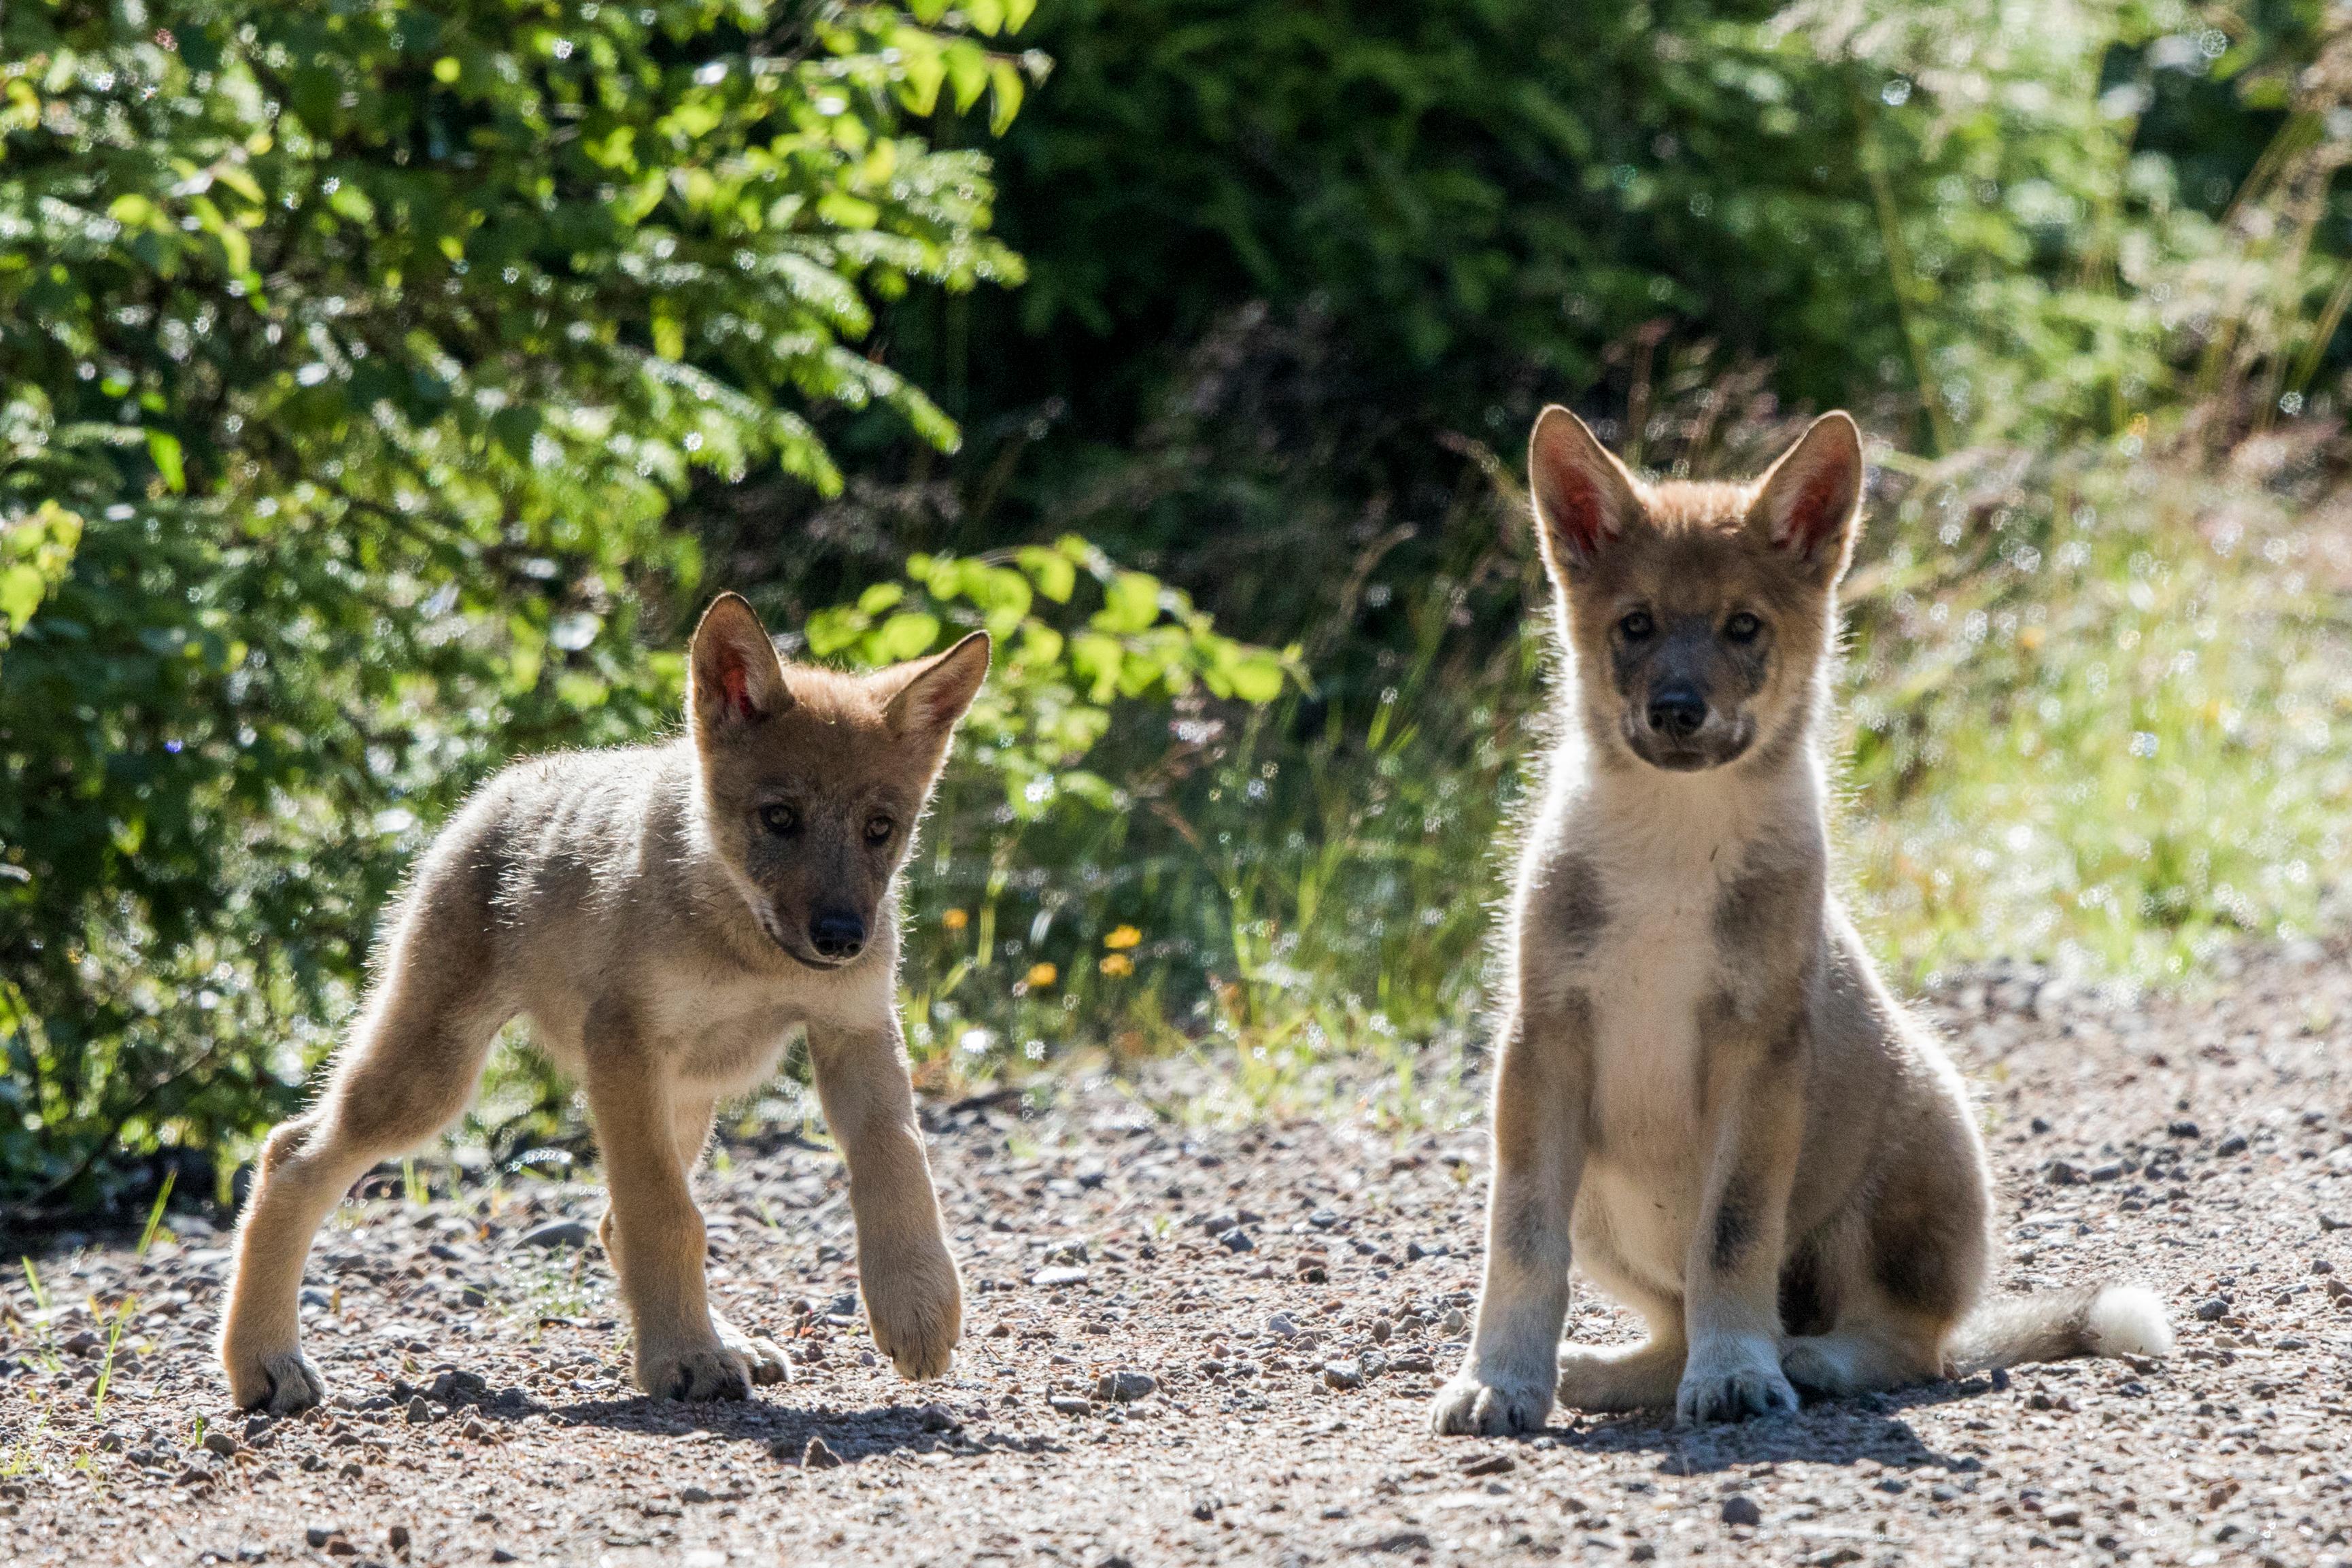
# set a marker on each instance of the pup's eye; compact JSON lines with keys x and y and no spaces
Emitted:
{"x":878,"y":829}
{"x":780,"y":820}
{"x":1742,"y":627}
{"x":1636,"y":625}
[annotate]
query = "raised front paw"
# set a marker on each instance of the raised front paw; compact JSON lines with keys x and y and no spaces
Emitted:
{"x":697,"y":1372}
{"x":282,"y":1381}
{"x":1475,"y":1407}
{"x":1731,"y":1380}
{"x":915,"y":1303}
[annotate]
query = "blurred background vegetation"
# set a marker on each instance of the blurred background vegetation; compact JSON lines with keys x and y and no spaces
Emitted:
{"x":386,"y":384}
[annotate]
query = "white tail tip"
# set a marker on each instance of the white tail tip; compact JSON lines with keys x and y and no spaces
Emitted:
{"x":2129,"y":1320}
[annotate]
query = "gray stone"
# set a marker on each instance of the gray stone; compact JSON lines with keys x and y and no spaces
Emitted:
{"x":1125,"y":1387}
{"x":560,"y":1233}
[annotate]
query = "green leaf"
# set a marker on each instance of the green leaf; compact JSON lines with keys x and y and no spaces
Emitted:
{"x":1130,"y":603}
{"x":967,"y":65}
{"x":164,"y":448}
{"x":1004,"y":78}
{"x":1052,"y":571}
{"x":1255,"y":676}
{"x":907,"y":635}
{"x":831,"y":630}
{"x":21,"y":590}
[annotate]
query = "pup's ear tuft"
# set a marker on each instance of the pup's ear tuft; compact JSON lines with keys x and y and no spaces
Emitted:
{"x":1583,"y":497}
{"x":934,"y":692}
{"x":733,"y":677}
{"x":1810,"y":498}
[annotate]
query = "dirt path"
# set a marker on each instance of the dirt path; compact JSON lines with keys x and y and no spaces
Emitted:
{"x":481,"y":1415}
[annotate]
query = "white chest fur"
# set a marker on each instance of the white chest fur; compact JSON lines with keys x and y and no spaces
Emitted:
{"x":1660,"y":860}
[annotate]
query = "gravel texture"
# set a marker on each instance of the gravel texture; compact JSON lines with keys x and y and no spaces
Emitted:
{"x":1217,"y":1344}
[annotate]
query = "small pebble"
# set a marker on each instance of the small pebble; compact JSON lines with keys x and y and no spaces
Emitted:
{"x":1739,"y":1509}
{"x":1342,"y":1374}
{"x":817,"y":1456}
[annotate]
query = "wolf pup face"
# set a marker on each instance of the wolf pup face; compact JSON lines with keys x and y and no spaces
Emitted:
{"x":1698,"y":612}
{"x":813,"y":779}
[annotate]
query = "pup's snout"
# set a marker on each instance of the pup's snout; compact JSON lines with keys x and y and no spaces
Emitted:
{"x":838,"y":933}
{"x":1678,"y":711}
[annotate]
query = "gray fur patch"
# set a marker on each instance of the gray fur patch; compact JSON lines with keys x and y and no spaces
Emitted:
{"x":1574,"y":909}
{"x":1735,"y":1229}
{"x":1750,"y":909}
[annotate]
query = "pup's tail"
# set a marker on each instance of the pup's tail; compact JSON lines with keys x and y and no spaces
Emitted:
{"x":2099,"y":1320}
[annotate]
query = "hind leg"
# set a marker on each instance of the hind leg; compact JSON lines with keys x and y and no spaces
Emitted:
{"x":409,"y":1071}
{"x":1877,"y":1348}
{"x":1625,"y":1377}
{"x":1616,"y":1378}
{"x":1905,"y":1276}
{"x":690,"y":1120}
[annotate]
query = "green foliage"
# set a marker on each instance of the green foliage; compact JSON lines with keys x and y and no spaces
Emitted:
{"x":34,"y":549}
{"x":1049,"y":699}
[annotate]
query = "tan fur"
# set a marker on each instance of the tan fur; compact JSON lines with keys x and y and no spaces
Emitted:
{"x":1705,"y":1097}
{"x":666,"y":916}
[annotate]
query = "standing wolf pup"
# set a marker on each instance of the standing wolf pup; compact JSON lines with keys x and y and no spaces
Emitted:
{"x":1703,"y":1084}
{"x":666,"y":915}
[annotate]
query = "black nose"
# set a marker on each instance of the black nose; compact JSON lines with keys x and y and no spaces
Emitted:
{"x":1678,"y":711}
{"x":837,"y":934}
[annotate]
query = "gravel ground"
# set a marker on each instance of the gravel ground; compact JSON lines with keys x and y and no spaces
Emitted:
{"x":1192,"y":1343}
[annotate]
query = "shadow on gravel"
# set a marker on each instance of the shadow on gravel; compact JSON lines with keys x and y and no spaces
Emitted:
{"x":1831,"y":1432}
{"x":843,"y":1437}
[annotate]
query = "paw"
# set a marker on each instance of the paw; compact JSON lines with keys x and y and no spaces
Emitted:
{"x":1731,"y":1382}
{"x":915,"y":1308}
{"x":281,"y":1381}
{"x":1812,"y":1364}
{"x":766,"y":1363}
{"x":696,"y":1372}
{"x":1468,"y":1406}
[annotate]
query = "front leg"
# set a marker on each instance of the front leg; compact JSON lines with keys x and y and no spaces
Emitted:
{"x":1732,"y":1275}
{"x":914,"y":1299}
{"x":1538,"y":1118}
{"x":653,"y":1232}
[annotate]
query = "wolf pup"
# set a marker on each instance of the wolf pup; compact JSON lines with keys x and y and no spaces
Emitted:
{"x":666,"y":915}
{"x":1706,"y":1097}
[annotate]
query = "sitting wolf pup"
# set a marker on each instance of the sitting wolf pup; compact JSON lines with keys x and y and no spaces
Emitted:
{"x":1702,"y":1082}
{"x":666,"y":915}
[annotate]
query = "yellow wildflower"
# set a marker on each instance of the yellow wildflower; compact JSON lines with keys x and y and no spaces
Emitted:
{"x":1117,"y":964}
{"x":1122,"y":939}
{"x":1041,"y":976}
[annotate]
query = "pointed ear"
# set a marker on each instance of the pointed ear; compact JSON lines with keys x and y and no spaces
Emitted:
{"x":1809,"y":502}
{"x":936,"y":690}
{"x":733,"y":676}
{"x":1583,"y":497}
